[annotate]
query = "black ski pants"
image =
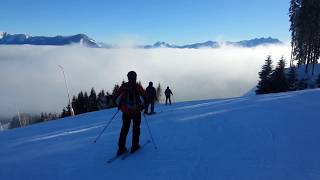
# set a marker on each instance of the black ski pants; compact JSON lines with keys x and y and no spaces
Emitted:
{"x":126,"y":121}
{"x":147,"y":107}
{"x":168,"y":98}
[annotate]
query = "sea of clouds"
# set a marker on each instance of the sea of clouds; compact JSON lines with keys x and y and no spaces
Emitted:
{"x":32,"y":82}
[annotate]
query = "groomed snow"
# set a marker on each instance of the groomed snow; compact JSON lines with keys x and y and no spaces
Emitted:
{"x":267,"y":137}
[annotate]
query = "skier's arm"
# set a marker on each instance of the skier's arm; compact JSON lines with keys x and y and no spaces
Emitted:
{"x":117,"y":97}
{"x":143,"y":93}
{"x":155,"y":94}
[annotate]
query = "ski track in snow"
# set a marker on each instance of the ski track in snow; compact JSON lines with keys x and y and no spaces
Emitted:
{"x":265,"y":137}
{"x":203,"y":115}
{"x":275,"y":98}
{"x":219,"y":102}
{"x":65,"y":133}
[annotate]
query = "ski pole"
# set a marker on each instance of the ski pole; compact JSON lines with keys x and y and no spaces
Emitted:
{"x":1,"y":126}
{"x":98,"y":137}
{"x":146,"y":121}
{"x":172,"y":99}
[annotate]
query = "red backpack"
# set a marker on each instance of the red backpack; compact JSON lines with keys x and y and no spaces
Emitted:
{"x":131,"y":99}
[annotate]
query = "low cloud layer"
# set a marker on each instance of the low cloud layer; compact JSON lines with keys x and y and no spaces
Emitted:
{"x":31,"y":81}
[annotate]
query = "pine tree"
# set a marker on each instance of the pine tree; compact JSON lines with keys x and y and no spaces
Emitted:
{"x":115,"y":89}
{"x":93,"y":106}
{"x":63,"y":114}
{"x":45,"y":116}
{"x":75,"y":105}
{"x":86,"y":102}
{"x":264,"y":84}
{"x":292,"y":79}
{"x":69,"y":113}
{"x":110,"y":100}
{"x":279,"y":82}
{"x":318,"y":81}
{"x":101,"y":100}
{"x":305,"y":31}
{"x":42,"y":116}
{"x":303,"y":84}
{"x":15,"y":122}
{"x":159,"y":92}
{"x":81,"y":101}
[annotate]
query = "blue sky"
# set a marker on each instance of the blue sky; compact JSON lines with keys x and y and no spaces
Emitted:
{"x":148,"y":21}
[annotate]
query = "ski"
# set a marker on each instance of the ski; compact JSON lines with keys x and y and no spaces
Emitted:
{"x":150,"y":114}
{"x":115,"y":157}
{"x":125,"y":156}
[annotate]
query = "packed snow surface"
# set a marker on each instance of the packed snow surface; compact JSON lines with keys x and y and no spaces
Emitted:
{"x":267,"y":137}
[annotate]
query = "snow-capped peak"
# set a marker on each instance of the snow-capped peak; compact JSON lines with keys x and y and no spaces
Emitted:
{"x":83,"y":39}
{"x":2,"y":34}
{"x":27,"y":36}
{"x":161,"y":44}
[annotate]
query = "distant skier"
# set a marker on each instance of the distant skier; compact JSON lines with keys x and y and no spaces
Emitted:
{"x":168,"y":94}
{"x":152,"y":97}
{"x":130,"y":98}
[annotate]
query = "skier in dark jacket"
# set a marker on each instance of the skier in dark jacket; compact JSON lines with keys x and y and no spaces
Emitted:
{"x":168,"y":94}
{"x":152,"y":97}
{"x":130,"y":98}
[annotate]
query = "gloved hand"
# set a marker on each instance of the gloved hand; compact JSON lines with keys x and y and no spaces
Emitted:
{"x":142,"y":107}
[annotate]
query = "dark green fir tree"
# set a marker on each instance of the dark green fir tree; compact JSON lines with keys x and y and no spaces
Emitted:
{"x":264,"y":84}
{"x":93,"y":105}
{"x":292,"y":79}
{"x":279,"y":82}
{"x":318,"y":81}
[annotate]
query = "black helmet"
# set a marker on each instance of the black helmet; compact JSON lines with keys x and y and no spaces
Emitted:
{"x":132,"y":75}
{"x":150,"y":83}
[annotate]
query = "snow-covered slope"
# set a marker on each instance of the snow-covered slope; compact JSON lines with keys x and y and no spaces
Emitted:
{"x":247,"y":138}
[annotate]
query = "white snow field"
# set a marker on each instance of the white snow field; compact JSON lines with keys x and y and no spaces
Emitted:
{"x":267,"y":137}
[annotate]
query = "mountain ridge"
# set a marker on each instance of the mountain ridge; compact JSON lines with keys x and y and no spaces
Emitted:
{"x":215,"y":44}
{"x":20,"y":39}
{"x":83,"y":39}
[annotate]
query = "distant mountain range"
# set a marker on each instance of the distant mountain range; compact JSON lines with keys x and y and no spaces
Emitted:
{"x":19,"y":39}
{"x":215,"y":44}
